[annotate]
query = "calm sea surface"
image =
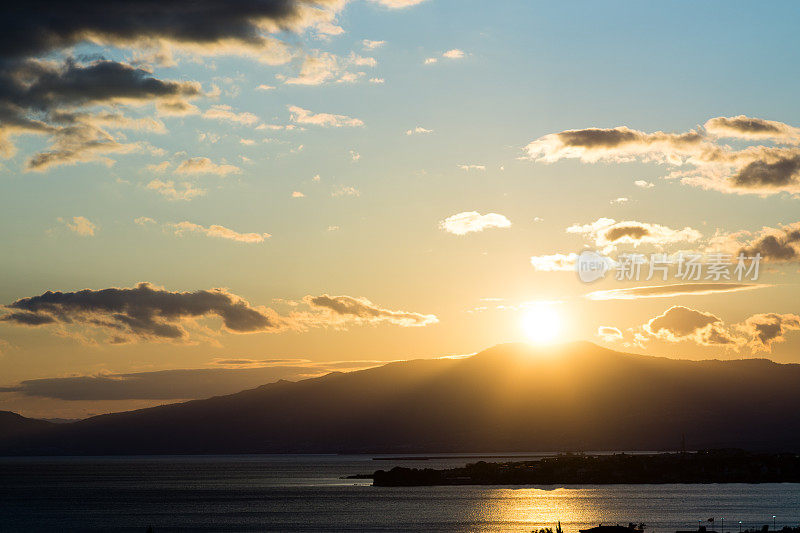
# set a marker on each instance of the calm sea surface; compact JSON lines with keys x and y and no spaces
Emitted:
{"x":305,"y":493}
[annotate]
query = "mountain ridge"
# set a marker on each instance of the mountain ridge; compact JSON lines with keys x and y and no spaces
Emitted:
{"x":510,"y":397}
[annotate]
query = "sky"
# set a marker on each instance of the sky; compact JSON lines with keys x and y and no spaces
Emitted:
{"x":302,"y":187}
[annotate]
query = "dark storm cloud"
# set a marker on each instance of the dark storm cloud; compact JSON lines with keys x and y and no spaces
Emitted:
{"x":143,"y":311}
{"x":36,"y":27}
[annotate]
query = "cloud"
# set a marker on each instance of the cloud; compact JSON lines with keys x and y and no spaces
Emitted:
{"x":149,"y":313}
{"x":238,"y":28}
{"x":609,"y":333}
{"x":619,"y":201}
{"x":203,"y":165}
{"x":298,"y":194}
{"x":372,"y":45}
{"x":607,"y":232}
{"x":472,"y":221}
{"x":754,"y":169}
{"x":668,"y":291}
{"x":143,"y":221}
{"x":226,"y":113}
{"x":47,"y":98}
{"x":554,"y":262}
{"x":345,"y":191}
{"x":768,"y":328}
{"x":350,"y":309}
{"x":220,"y":232}
{"x":141,"y":312}
{"x":682,"y":323}
{"x":774,"y":244}
{"x":430,"y":60}
{"x":265,"y":87}
{"x":642,"y":184}
{"x":742,"y":127}
{"x":467,"y":168}
{"x":323,"y":67}
{"x":418,"y":130}
{"x":81,"y":225}
{"x":304,"y":116}
{"x":184,"y":191}
{"x":455,"y":53}
{"x":397,"y":4}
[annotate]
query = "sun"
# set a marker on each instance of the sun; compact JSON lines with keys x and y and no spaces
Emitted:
{"x":541,"y":324}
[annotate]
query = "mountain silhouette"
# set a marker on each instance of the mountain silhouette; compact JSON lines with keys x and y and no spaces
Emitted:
{"x":512,"y":397}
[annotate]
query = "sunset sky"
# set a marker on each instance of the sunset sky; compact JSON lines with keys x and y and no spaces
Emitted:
{"x":281,"y":189}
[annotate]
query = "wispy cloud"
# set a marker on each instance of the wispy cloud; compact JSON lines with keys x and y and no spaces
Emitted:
{"x":669,"y":291}
{"x":304,"y":116}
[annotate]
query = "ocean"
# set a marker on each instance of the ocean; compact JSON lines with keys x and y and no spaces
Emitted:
{"x":306,"y":493}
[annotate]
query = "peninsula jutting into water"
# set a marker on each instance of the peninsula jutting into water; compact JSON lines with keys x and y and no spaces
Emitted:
{"x":710,"y":466}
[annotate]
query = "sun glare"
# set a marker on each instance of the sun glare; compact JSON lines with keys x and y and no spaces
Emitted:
{"x":541,"y":324}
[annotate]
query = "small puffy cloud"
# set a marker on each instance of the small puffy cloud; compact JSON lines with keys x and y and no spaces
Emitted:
{"x":643,"y":184}
{"x":619,"y":201}
{"x":430,"y":60}
{"x":554,"y":262}
{"x":455,"y":53}
{"x":265,"y":87}
{"x":218,"y":231}
{"x":226,"y":113}
{"x":377,"y":80}
{"x":351,"y":309}
{"x":172,"y":191}
{"x":204,"y":165}
{"x":354,"y":156}
{"x":418,"y":130}
{"x":304,"y":116}
{"x":372,"y":45}
{"x":472,"y":221}
{"x":680,"y":323}
{"x":669,"y":291}
{"x":607,"y":232}
{"x":143,"y":221}
{"x":609,"y":333}
{"x":80,"y":225}
{"x":298,"y":194}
